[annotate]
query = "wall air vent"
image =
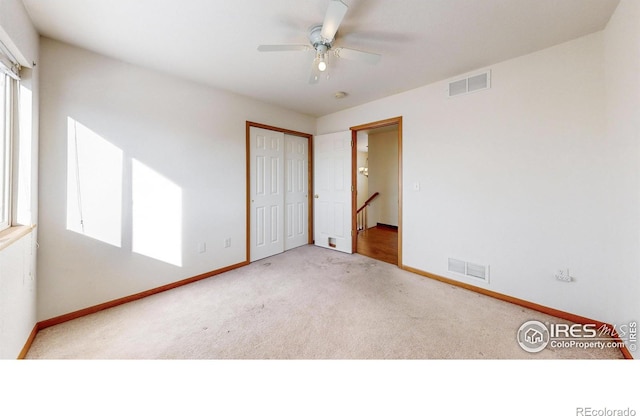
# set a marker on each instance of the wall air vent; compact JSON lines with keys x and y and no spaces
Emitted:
{"x":476,"y":270}
{"x":470,"y":84}
{"x":457,"y":266}
{"x":468,"y":269}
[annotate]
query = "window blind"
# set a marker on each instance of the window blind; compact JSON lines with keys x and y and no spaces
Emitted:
{"x":8,"y":64}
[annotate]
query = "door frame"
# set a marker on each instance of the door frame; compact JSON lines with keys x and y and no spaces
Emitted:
{"x":309,"y":138}
{"x":395,"y":121}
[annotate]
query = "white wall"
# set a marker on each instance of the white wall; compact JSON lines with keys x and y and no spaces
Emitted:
{"x":362,"y":180}
{"x":383,"y":178}
{"x":17,"y":262}
{"x":622,"y":76}
{"x":182,"y":133}
{"x":17,"y":296}
{"x":526,"y":176}
{"x":17,"y":31}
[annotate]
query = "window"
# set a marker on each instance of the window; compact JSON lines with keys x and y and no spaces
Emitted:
{"x":8,"y":87}
{"x":5,"y":151}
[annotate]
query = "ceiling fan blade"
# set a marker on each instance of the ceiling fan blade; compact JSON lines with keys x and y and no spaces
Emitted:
{"x":335,"y":13}
{"x":367,"y":57}
{"x":283,"y":48}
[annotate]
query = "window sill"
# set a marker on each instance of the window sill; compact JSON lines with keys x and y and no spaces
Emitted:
{"x":13,"y":234}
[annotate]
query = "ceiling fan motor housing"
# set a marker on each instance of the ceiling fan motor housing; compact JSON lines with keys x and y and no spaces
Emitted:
{"x":315,"y":38}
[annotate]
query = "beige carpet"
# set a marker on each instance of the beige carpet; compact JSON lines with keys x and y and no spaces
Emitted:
{"x":308,"y":303}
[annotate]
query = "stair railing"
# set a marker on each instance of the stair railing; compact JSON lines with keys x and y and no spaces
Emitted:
{"x":361,"y":213}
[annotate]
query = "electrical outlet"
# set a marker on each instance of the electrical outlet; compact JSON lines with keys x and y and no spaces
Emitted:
{"x":202,"y":247}
{"x":227,"y":242}
{"x":564,"y":276}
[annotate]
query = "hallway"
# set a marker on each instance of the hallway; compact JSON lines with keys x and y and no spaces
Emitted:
{"x":380,"y":242}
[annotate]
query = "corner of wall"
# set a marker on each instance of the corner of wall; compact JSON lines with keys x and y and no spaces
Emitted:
{"x":19,"y":261}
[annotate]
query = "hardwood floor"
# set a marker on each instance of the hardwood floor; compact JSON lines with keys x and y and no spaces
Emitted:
{"x":380,"y":242}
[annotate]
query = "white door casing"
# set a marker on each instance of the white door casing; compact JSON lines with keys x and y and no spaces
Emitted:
{"x":332,"y":191}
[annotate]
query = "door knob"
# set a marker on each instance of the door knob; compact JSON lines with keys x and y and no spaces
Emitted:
{"x":316,"y":196}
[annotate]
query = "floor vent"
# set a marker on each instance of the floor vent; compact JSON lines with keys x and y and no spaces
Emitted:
{"x":470,"y":84}
{"x":474,"y":270}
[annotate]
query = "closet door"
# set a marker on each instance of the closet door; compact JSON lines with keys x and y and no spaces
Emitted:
{"x":266,"y":193}
{"x":296,"y":204}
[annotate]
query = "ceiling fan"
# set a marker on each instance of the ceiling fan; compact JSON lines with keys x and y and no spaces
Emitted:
{"x":321,"y":38}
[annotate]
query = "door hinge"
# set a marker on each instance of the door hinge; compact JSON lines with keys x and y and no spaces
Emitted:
{"x":352,"y":188}
{"x":351,"y":143}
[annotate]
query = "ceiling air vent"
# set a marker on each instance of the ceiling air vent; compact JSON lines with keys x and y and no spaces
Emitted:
{"x":473,"y":83}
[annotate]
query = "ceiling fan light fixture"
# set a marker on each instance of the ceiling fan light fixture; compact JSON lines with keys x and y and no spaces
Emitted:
{"x":321,"y":38}
{"x":322,"y":64}
{"x":321,"y":56}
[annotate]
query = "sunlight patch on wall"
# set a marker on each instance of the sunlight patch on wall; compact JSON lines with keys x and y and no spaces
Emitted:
{"x":94,"y":185}
{"x":157,"y":215}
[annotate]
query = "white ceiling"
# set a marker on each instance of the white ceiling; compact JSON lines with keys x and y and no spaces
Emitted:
{"x":214,"y":41}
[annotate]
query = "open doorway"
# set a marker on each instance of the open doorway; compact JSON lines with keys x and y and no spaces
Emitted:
{"x":377,"y":178}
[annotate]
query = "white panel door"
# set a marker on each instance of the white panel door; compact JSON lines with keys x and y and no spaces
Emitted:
{"x":332,"y":191}
{"x":296,"y":197}
{"x":266,"y":193}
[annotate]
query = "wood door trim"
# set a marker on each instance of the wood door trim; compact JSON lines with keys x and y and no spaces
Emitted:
{"x":397,"y":121}
{"x":309,"y":138}
{"x":377,"y":124}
